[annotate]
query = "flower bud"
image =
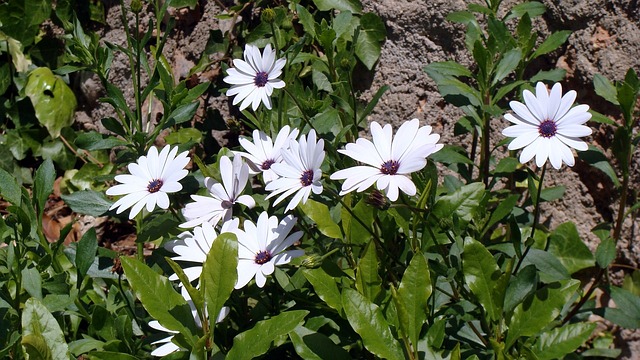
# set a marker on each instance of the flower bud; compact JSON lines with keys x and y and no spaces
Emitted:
{"x":268,"y":15}
{"x":136,"y":6}
{"x":312,"y":261}
{"x":377,"y":200}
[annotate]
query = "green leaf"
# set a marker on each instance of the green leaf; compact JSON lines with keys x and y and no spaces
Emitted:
{"x":507,"y":64}
{"x":464,"y":202}
{"x":537,"y":312}
{"x":606,"y":253}
{"x":605,"y":88}
{"x":549,"y":267}
{"x":503,"y":209}
{"x":627,"y":310}
{"x":522,"y":285}
{"x":306,"y":19}
{"x":171,"y":309}
{"x":319,"y":214}
{"x":256,"y":341}
{"x":481,"y":274}
{"x":219,"y":273}
{"x":182,"y":114}
{"x":552,"y":42}
{"x":43,"y":184}
{"x":184,"y":136}
{"x":594,"y":157}
{"x":39,"y":325}
{"x":366,"y":319}
{"x":95,"y":141}
{"x":87,"y":202}
{"x":86,"y":253}
{"x":354,"y":231}
{"x":566,"y":245}
{"x":110,"y":355}
{"x":451,"y":68}
{"x":21,"y":19}
{"x":414,"y":292}
{"x":368,"y":281}
{"x":36,"y":347}
{"x":369,"y":42}
{"x":52,"y":99}
{"x":353,"y":6}
{"x":533,"y":8}
{"x":554,"y":75}
{"x":9,"y":188}
{"x":316,"y":346}
{"x":321,"y":81}
{"x":32,"y":282}
{"x":325,"y":286}
{"x":557,"y":343}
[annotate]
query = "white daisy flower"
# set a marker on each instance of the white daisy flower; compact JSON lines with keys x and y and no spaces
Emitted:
{"x":254,"y":79}
{"x":262,"y":247}
{"x":264,"y":152}
{"x":300,"y":172}
{"x":219,"y":206}
{"x":389,"y":161}
{"x":152,"y":177}
{"x":168,"y":346}
{"x":547,"y":126}
{"x":194,"y":246}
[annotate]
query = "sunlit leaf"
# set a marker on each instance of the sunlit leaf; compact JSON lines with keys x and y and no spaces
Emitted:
{"x":41,"y":332}
{"x":52,"y":99}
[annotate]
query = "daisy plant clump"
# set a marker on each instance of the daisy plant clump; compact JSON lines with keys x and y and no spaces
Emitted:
{"x":151,"y":178}
{"x":253,"y":79}
{"x":263,"y":152}
{"x":546,"y":126}
{"x":223,"y":196}
{"x":299,"y":172}
{"x":388,"y":160}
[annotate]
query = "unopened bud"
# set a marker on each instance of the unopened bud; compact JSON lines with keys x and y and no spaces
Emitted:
{"x":312,"y":261}
{"x":377,"y":200}
{"x":268,"y":16}
{"x":136,"y":6}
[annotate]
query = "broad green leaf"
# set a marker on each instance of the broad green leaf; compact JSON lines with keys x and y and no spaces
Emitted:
{"x":627,"y":310}
{"x":96,"y":141}
{"x":344,"y":24}
{"x":605,"y":88}
{"x":9,"y":188}
{"x":184,"y":136}
{"x":183,"y":3}
{"x":52,"y":99}
{"x":171,"y":309}
{"x":316,"y":346}
{"x":325,"y":286}
{"x":38,"y":324}
{"x":503,"y":209}
{"x":368,"y":281}
{"x":256,"y":341}
{"x":566,"y":245}
{"x":413,"y":292}
{"x":507,"y":64}
{"x":21,"y":19}
{"x":87,"y":202}
{"x":355,"y":232}
{"x":182,"y":114}
{"x":32,"y":282}
{"x":549,"y":267}
{"x":464,"y":202}
{"x":36,"y":347}
{"x":319,"y":213}
{"x":86,"y":253}
{"x":448,"y":68}
{"x":557,"y":343}
{"x":552,"y":42}
{"x":219,"y":272}
{"x":533,"y":8}
{"x":537,"y":312}
{"x":367,"y":320}
{"x":353,"y":6}
{"x":110,"y":355}
{"x":523,"y":284}
{"x":554,"y":75}
{"x":43,"y":184}
{"x":321,"y":81}
{"x":451,"y":154}
{"x":369,"y":42}
{"x":462,"y":17}
{"x":594,"y":157}
{"x":306,"y":19}
{"x":481,"y":274}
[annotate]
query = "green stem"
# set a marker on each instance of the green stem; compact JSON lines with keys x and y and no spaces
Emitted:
{"x":139,"y":244}
{"x":304,"y":115}
{"x":536,"y":219}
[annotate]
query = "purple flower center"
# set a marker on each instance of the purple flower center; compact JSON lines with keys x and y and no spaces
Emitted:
{"x":154,"y":186}
{"x":307,"y":178}
{"x":263,"y":257}
{"x":261,"y":79}
{"x":390,"y":167}
{"x":226,"y":204}
{"x":266,"y":165}
{"x":547,"y":128}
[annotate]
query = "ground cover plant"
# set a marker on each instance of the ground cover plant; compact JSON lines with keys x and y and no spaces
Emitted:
{"x":322,"y":233}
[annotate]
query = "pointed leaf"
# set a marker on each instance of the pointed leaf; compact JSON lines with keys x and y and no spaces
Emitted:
{"x":319,"y":213}
{"x":566,"y":245}
{"x":325,"y":286}
{"x":43,"y":184}
{"x":52,"y":99}
{"x":369,"y":42}
{"x":366,"y":319}
{"x":86,"y":253}
{"x":39,"y":325}
{"x":464,"y":202}
{"x":481,"y":273}
{"x":605,"y":88}
{"x":507,"y":64}
{"x":257,"y":340}
{"x":606,"y":253}
{"x":316,"y":346}
{"x":552,"y":42}
{"x":414,"y":292}
{"x":219,"y":273}
{"x":557,"y":343}
{"x":368,"y":281}
{"x":9,"y":188}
